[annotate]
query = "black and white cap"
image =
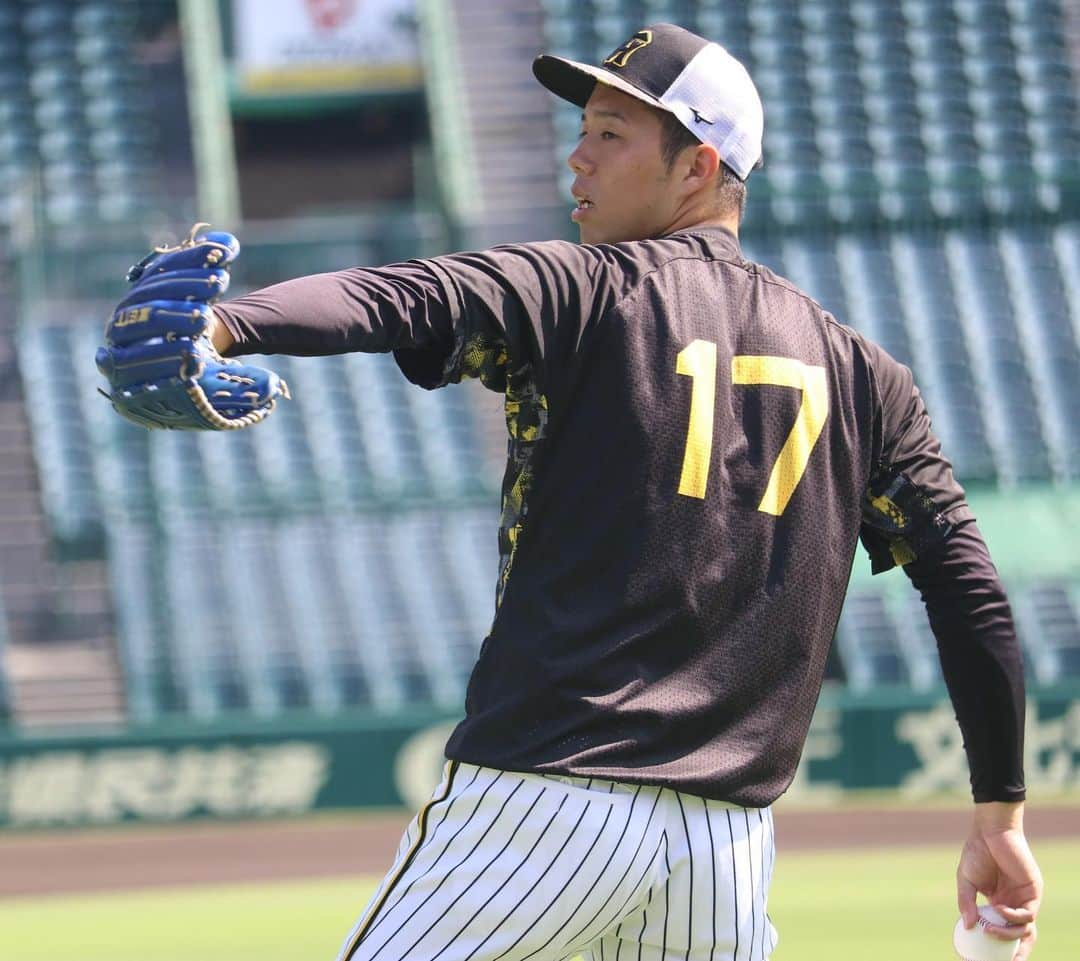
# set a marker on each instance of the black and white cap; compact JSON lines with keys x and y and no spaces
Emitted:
{"x":675,"y":70}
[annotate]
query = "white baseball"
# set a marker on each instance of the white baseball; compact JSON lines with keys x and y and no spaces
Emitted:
{"x":976,"y":945}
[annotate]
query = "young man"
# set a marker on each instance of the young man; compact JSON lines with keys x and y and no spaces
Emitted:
{"x":695,"y":449}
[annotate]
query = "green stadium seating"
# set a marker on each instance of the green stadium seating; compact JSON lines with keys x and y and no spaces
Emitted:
{"x":1049,"y":614}
{"x":316,"y":633}
{"x":360,"y":631}
{"x":920,"y":181}
{"x":72,"y":106}
{"x":987,"y":320}
{"x":61,"y":440}
{"x":884,"y":638}
{"x":949,"y":109}
{"x":868,"y":643}
{"x":5,"y":695}
{"x":941,"y":355}
{"x":142,"y":627}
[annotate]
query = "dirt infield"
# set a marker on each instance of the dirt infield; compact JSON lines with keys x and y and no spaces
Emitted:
{"x":204,"y":853}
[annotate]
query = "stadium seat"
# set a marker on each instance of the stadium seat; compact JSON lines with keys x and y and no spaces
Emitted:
{"x":5,"y":695}
{"x":334,"y":432}
{"x":61,"y":441}
{"x":944,"y":365}
{"x":198,"y":653}
{"x":936,"y":92}
{"x":1034,"y":605}
{"x":916,"y":640}
{"x":1001,"y":358}
{"x":1056,"y":608}
{"x":914,"y":151}
{"x":865,"y":264}
{"x":388,"y":429}
{"x":1042,"y":314}
{"x":142,"y":635}
{"x":432,"y":614}
{"x":384,"y":660}
{"x":45,"y":17}
{"x":67,"y":67}
{"x":868,"y":644}
{"x":316,"y":618}
{"x":814,"y":268}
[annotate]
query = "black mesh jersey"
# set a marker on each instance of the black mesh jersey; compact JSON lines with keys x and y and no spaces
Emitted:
{"x":695,"y":448}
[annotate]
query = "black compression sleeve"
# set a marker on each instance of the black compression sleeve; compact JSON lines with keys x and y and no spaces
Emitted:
{"x":375,"y":311}
{"x":980,"y":659}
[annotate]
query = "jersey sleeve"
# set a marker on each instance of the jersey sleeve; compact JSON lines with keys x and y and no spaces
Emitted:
{"x":980,"y":657}
{"x":915,"y":516}
{"x":517,"y":305}
{"x":358,"y":309}
{"x":445,"y":318}
{"x":913,"y":500}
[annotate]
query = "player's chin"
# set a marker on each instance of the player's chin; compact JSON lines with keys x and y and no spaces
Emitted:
{"x":595,"y":234}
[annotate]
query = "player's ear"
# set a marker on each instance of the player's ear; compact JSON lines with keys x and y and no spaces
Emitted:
{"x":704,"y":166}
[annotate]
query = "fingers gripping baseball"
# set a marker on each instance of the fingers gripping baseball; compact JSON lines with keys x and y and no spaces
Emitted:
{"x":1000,"y":866}
{"x":158,"y":358}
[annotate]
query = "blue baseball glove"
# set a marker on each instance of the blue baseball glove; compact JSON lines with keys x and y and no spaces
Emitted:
{"x":162,"y":368}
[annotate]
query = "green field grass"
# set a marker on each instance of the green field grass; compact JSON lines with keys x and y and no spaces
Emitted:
{"x":887,"y":905}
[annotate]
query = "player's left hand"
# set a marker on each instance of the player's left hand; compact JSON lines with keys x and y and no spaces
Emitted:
{"x":161,"y":365}
{"x":997,"y":862}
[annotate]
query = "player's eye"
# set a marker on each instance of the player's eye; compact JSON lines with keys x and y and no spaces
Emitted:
{"x":608,"y":135}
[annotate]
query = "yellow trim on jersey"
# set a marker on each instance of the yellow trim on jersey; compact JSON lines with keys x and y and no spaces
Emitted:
{"x":421,"y":835}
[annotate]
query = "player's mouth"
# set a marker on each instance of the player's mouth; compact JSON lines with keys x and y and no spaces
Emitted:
{"x":584,"y":204}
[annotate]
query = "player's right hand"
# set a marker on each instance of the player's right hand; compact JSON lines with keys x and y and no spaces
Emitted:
{"x":997,"y":862}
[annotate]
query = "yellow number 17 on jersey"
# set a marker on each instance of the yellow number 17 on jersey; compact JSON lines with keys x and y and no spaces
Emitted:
{"x":698,"y":361}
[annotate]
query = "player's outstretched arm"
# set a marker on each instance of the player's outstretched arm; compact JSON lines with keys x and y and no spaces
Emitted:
{"x":997,"y":862}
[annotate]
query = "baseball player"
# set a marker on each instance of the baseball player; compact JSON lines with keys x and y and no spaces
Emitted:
{"x":695,"y":449}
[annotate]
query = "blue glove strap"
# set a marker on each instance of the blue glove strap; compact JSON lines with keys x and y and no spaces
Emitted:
{"x":158,"y":318}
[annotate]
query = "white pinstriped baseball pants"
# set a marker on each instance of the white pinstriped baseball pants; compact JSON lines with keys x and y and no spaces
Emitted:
{"x":500,"y":866}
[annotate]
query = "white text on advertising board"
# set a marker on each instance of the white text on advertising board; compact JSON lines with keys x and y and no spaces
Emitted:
{"x":1051,"y":750}
{"x":74,"y":787}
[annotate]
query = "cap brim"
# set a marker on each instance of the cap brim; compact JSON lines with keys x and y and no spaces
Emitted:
{"x":575,"y":81}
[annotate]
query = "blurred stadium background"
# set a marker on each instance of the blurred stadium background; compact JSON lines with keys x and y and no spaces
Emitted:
{"x":921,"y":179}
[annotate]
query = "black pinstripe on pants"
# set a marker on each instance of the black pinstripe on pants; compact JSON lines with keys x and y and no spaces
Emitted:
{"x":501,"y":866}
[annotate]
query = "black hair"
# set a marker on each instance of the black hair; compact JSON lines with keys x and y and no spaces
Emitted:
{"x":675,"y":138}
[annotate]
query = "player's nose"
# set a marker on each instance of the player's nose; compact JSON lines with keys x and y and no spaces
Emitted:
{"x":579,"y":161}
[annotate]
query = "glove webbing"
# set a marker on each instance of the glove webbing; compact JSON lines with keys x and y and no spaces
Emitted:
{"x":198,"y":397}
{"x":202,"y":402}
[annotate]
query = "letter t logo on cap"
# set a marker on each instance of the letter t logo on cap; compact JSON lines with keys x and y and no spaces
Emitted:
{"x":623,"y":53}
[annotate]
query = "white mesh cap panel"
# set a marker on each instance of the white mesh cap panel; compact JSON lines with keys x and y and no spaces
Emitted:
{"x":718,"y":87}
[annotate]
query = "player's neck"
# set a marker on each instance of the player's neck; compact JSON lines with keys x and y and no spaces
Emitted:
{"x":702,"y":219}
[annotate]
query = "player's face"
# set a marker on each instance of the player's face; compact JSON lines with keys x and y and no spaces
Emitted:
{"x":623,"y":188}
